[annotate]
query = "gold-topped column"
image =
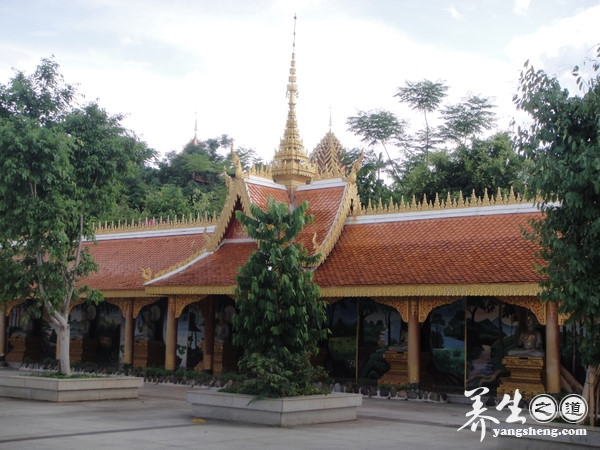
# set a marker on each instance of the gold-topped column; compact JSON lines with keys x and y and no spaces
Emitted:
{"x":208,"y":311}
{"x":414,"y":344}
{"x":552,"y":349}
{"x":171,"y":344}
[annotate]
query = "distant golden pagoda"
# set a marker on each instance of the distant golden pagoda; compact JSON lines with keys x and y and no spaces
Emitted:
{"x":327,"y":156}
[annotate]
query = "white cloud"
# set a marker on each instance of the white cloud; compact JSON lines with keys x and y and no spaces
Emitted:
{"x":161,"y":63}
{"x":521,"y":7}
{"x":454,"y":13}
{"x":560,"y":45}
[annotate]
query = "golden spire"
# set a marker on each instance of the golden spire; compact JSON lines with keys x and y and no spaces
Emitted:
{"x":291,"y":165}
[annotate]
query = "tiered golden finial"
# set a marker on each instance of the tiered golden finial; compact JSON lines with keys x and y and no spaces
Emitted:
{"x":291,"y":166}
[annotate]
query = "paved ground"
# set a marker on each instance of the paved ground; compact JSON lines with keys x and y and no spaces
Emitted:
{"x":161,"y":418}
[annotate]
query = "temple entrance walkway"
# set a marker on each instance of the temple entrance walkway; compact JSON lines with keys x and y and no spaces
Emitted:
{"x":161,"y":419}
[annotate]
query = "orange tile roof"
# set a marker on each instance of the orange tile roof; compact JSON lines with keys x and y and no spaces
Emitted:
{"x":259,"y":194}
{"x":324,"y":203}
{"x":121,"y":261}
{"x":460,"y":250}
{"x":216,"y":269}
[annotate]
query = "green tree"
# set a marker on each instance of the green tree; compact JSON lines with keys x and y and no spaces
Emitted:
{"x":59,"y":164}
{"x":379,"y":127}
{"x":425,"y":96}
{"x":280,"y":318}
{"x":490,"y":164}
{"x":563,"y":144}
{"x":467,"y":119}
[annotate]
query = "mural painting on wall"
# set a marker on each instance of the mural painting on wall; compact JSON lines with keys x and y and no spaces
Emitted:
{"x":491,"y":329}
{"x":24,"y":334}
{"x":446,"y":342}
{"x":19,"y":323}
{"x":380,"y":327}
{"x":109,"y":323}
{"x":190,"y":337}
{"x":81,"y":321}
{"x":225,"y":310}
{"x":148,"y":325}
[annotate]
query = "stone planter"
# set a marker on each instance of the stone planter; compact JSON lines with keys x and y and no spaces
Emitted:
{"x":282,"y":412}
{"x":69,"y":389}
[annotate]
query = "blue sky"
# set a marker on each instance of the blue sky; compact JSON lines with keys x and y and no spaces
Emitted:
{"x":161,"y":62}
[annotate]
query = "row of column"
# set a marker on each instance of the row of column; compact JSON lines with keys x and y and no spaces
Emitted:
{"x":171,"y":334}
{"x":552,"y":340}
{"x":552,"y":345}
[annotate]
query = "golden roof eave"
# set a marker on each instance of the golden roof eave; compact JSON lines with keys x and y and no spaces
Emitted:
{"x":455,"y":290}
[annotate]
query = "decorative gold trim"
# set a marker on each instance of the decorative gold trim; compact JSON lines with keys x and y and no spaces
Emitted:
{"x":238,"y":191}
{"x":139,"y":303}
{"x":444,"y":290}
{"x":182,"y":301}
{"x":190,"y":290}
{"x":151,"y":224}
{"x":122,"y":304}
{"x":533,"y":303}
{"x":325,"y":157}
{"x":428,"y":304}
{"x":449,"y":203}
{"x":261,"y":171}
{"x":8,"y":306}
{"x":399,"y":303}
{"x":350,"y":198}
{"x":562,"y":318}
{"x":125,"y":293}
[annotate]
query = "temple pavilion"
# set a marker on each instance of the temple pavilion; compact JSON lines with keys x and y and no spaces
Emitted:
{"x":169,"y":285}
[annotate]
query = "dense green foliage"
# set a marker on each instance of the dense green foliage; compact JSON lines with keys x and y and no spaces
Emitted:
{"x":185,"y":183}
{"x":280,"y":318}
{"x":564,"y":144}
{"x":60,"y":167}
{"x":452,"y":157}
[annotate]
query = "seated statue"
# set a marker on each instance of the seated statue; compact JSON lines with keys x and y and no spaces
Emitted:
{"x":402,"y":346}
{"x":222,"y":329}
{"x":530,"y":342}
{"x":146,"y":329}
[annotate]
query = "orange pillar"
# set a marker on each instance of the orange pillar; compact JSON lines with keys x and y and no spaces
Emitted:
{"x":414,"y":341}
{"x":129,"y":333}
{"x":171,"y":344}
{"x":209,"y":333}
{"x":552,"y":349}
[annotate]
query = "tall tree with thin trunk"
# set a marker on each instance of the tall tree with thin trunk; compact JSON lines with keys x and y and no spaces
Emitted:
{"x":60,"y":163}
{"x":425,"y":96}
